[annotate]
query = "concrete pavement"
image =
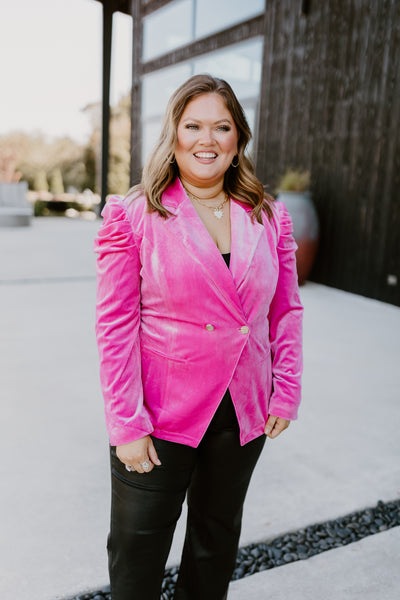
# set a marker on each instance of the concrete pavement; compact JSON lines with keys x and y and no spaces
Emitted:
{"x":365,"y":570}
{"x":342,"y":455}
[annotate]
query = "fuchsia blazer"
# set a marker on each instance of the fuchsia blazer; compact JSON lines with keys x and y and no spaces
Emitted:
{"x":176,"y":327}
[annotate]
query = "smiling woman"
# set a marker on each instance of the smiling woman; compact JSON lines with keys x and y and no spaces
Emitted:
{"x":241,"y":62}
{"x":207,"y":142}
{"x":199,"y":335}
{"x":238,"y":176}
{"x":206,"y":145}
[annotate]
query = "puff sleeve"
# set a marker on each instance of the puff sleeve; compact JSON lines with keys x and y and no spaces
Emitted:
{"x":117,"y":326}
{"x":285,"y":318}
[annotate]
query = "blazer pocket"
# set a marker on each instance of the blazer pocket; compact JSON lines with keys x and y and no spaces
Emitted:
{"x":156,"y":352}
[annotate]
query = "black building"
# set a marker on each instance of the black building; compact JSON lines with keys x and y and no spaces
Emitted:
{"x":320,"y":84}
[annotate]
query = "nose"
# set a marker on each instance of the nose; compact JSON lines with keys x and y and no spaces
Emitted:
{"x":206,"y":137}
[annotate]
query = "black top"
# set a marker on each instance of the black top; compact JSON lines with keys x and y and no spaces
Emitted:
{"x":226,"y":258}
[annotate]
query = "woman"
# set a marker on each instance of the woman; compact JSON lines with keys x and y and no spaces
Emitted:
{"x":199,"y":335}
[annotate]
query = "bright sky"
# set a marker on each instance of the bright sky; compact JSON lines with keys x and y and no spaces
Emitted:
{"x":50,"y":64}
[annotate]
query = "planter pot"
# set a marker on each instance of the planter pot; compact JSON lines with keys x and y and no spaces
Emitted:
{"x":305,"y":229}
{"x":15,"y":209}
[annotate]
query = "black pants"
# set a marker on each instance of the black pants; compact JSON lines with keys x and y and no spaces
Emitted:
{"x":145,"y":509}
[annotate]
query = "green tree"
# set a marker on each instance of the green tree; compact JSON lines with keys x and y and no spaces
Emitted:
{"x":120,"y":138}
{"x":56,"y":181}
{"x":78,"y":164}
{"x":119,"y":151}
{"x":40,"y":183}
{"x":92,"y":150}
{"x":91,"y":159}
{"x":35,"y":153}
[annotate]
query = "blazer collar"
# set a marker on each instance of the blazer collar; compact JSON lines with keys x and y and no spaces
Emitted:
{"x":189,"y":229}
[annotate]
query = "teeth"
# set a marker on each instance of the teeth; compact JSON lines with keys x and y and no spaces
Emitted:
{"x":205,"y":155}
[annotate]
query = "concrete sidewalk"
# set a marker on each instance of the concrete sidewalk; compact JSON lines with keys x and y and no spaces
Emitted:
{"x":342,"y":455}
{"x":365,"y":570}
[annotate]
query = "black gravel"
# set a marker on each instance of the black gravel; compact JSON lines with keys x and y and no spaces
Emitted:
{"x":298,"y":545}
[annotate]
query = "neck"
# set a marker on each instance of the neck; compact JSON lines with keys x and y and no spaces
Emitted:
{"x":206,"y":192}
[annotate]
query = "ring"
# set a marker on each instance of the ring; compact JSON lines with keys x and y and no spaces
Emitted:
{"x":129,"y":468}
{"x":145,"y":465}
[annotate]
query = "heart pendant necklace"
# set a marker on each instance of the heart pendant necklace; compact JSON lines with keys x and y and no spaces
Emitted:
{"x":218,"y":211}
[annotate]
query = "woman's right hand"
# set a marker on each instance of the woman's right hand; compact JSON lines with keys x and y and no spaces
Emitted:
{"x":140,"y":455}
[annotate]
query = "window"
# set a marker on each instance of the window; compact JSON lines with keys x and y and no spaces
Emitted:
{"x":239,"y":64}
{"x":214,"y":15}
{"x":156,"y":91}
{"x":167,"y":28}
{"x":183,"y":21}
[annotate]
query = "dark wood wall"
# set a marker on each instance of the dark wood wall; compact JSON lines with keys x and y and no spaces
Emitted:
{"x":331,"y":103}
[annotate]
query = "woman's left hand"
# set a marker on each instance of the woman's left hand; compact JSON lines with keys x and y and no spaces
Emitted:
{"x":275,"y":426}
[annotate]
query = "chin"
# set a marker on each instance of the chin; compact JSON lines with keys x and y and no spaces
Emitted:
{"x":205,"y":175}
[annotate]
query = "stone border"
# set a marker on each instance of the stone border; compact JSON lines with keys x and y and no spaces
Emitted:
{"x":298,"y":545}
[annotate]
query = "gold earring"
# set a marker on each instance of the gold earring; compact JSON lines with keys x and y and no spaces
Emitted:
{"x":173,"y":160}
{"x":234,"y":166}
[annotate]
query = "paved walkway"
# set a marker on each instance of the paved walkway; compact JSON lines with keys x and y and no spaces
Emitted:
{"x":342,"y":455}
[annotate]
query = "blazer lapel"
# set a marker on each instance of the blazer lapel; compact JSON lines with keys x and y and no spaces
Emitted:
{"x":188,"y":228}
{"x":245,"y":235}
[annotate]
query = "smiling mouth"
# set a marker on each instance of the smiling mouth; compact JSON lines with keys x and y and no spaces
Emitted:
{"x":206,"y":155}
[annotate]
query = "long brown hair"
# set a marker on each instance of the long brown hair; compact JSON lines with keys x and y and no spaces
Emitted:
{"x":161,"y":169}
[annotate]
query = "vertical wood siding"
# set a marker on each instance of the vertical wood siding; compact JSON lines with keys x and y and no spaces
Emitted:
{"x":331,"y":102}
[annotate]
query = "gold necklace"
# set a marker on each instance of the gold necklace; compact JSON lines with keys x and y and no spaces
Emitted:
{"x":217,"y":210}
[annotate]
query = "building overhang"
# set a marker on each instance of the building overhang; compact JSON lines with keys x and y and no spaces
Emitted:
{"x":123,"y":6}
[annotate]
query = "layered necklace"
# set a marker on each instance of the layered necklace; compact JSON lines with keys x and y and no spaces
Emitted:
{"x":218,"y":210}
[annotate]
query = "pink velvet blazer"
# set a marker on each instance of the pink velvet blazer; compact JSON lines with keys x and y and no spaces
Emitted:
{"x":175,"y":327}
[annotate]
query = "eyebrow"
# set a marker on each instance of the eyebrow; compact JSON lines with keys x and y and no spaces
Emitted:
{"x":215,"y":122}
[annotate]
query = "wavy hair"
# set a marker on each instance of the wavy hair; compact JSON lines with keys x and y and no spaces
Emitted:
{"x":161,"y":169}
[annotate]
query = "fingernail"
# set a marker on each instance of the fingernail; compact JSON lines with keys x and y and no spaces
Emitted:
{"x":267,"y":430}
{"x":158,"y":462}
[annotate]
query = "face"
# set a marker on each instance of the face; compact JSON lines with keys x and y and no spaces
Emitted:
{"x":207,"y":141}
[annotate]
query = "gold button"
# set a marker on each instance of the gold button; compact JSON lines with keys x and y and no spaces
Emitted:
{"x":244,"y":329}
{"x":210,"y":327}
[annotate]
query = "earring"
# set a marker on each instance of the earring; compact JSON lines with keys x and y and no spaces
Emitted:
{"x":237,"y":164}
{"x":173,"y":160}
